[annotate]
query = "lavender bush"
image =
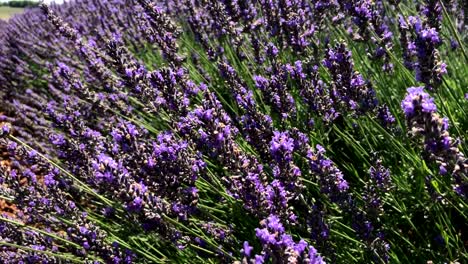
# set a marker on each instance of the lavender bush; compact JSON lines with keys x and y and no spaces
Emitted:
{"x":195,"y":131}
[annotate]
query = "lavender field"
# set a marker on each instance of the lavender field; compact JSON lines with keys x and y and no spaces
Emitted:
{"x":235,"y":131}
{"x":7,"y":12}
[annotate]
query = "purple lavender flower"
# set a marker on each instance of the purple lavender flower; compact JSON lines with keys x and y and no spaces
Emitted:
{"x":159,"y":29}
{"x":349,"y":90}
{"x":333,"y":182}
{"x":282,"y":146}
{"x":279,"y":247}
{"x":420,"y":38}
{"x":276,"y":94}
{"x":439,"y":147}
{"x":39,"y":203}
{"x":417,"y":97}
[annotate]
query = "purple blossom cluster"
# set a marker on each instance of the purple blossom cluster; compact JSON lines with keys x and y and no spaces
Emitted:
{"x":278,"y":246}
{"x":42,"y":198}
{"x":349,"y":90}
{"x":420,"y":37}
{"x":368,"y":219}
{"x":370,"y":24}
{"x":439,"y":147}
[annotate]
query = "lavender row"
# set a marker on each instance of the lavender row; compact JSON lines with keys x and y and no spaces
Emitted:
{"x":142,"y":120}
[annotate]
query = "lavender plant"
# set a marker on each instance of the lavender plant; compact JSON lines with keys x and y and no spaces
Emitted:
{"x":145,"y":131}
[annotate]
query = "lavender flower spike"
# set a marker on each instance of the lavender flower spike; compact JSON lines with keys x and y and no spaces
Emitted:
{"x":439,"y":147}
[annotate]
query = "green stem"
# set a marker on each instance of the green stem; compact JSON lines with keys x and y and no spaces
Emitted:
{"x":452,"y":27}
{"x":60,"y":256}
{"x":21,"y":225}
